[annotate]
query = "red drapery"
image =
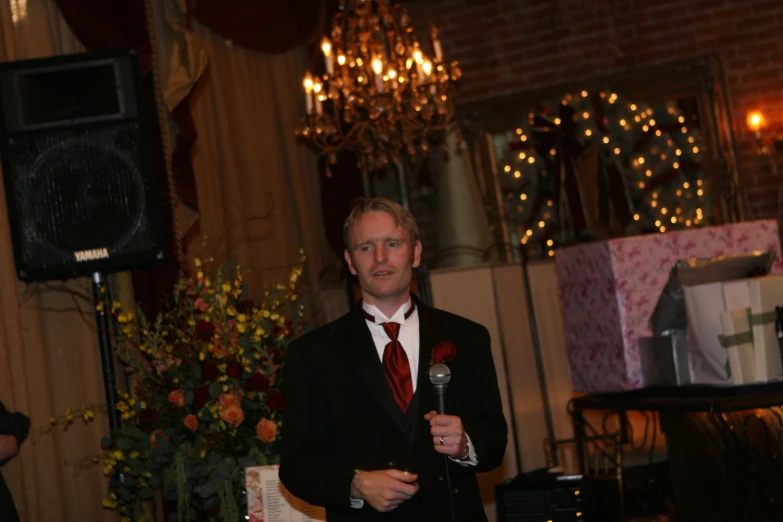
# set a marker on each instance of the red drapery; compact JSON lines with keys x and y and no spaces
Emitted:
{"x":271,"y":26}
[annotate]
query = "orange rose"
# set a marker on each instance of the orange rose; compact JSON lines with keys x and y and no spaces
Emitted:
{"x":228,"y":399}
{"x":266,"y":430}
{"x":232,"y":415}
{"x":191,"y":422}
{"x":177,"y":398}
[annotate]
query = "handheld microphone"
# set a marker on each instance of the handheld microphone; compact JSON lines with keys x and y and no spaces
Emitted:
{"x":440,"y":375}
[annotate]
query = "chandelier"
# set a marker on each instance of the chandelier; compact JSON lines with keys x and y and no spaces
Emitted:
{"x":381,"y":97}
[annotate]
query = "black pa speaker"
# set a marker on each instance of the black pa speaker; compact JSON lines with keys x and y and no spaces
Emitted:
{"x":77,"y":166}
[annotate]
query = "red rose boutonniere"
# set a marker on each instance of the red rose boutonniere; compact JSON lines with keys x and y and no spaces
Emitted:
{"x":444,"y":352}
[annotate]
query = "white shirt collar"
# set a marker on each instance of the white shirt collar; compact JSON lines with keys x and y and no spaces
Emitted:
{"x":380,"y":317}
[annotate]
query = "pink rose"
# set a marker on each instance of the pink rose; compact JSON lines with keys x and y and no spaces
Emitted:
{"x":201,"y":304}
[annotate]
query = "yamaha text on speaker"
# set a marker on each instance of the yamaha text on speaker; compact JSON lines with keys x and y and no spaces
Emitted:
{"x":77,"y":166}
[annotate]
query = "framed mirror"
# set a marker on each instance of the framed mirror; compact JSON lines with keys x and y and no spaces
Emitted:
{"x":646,"y":151}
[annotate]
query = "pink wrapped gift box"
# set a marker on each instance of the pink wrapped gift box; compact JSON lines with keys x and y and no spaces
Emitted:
{"x":608,"y":291}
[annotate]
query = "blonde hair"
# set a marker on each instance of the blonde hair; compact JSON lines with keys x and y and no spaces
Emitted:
{"x":402,"y":216}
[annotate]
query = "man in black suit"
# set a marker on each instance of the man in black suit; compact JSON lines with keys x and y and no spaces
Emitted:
{"x":361,"y":436}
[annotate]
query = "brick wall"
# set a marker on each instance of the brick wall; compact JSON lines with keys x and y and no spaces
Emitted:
{"x":508,"y":46}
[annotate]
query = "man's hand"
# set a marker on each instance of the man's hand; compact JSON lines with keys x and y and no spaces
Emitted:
{"x":448,"y":434}
{"x":384,"y":489}
{"x":8,"y":447}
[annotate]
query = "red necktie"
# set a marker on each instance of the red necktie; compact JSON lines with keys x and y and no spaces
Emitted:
{"x":396,"y":367}
{"x":395,"y":363}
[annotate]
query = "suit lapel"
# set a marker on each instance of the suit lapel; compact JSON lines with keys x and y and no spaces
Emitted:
{"x":364,"y":357}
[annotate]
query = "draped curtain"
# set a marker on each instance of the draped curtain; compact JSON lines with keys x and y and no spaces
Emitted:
{"x":258,"y":189}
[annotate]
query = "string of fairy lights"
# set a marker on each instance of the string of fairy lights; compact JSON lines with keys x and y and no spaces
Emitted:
{"x":657,"y":148}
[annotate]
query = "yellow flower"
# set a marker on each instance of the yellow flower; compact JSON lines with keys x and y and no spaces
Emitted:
{"x":200,"y":275}
{"x":260,"y":331}
{"x":52,"y":421}
{"x":110,"y":503}
{"x":226,"y":288}
{"x":108,"y":469}
{"x":241,"y":328}
{"x":265,"y":314}
{"x":115,"y":306}
{"x":201,"y":356}
{"x":197,"y":262}
{"x":99,"y":307}
{"x":242,"y":318}
{"x":274,"y":317}
{"x":87,"y":414}
{"x":68,"y":415}
{"x":293,"y":297}
{"x":203,"y":453}
{"x":207,"y":283}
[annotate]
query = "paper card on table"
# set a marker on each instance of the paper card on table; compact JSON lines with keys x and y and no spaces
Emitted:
{"x":269,"y":501}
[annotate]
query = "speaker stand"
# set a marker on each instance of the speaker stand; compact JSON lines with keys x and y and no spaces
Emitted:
{"x":102,"y":308}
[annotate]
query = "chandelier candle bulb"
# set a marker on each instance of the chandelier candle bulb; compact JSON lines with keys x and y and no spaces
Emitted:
{"x":308,"y":86}
{"x":377,"y":67}
{"x":436,"y":43}
{"x":326,"y":48}
{"x":317,"y":91}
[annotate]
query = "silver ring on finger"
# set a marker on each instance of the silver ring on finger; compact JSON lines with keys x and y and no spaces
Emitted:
{"x":441,"y":441}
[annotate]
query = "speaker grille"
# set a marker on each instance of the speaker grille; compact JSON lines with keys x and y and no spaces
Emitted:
{"x":80,"y":189}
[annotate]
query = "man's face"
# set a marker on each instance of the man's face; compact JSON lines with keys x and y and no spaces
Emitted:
{"x":383,"y":256}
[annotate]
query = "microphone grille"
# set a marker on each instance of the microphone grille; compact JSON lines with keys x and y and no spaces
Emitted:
{"x":439,"y":374}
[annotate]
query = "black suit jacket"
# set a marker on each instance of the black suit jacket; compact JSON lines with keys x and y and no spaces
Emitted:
{"x":340,"y":416}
